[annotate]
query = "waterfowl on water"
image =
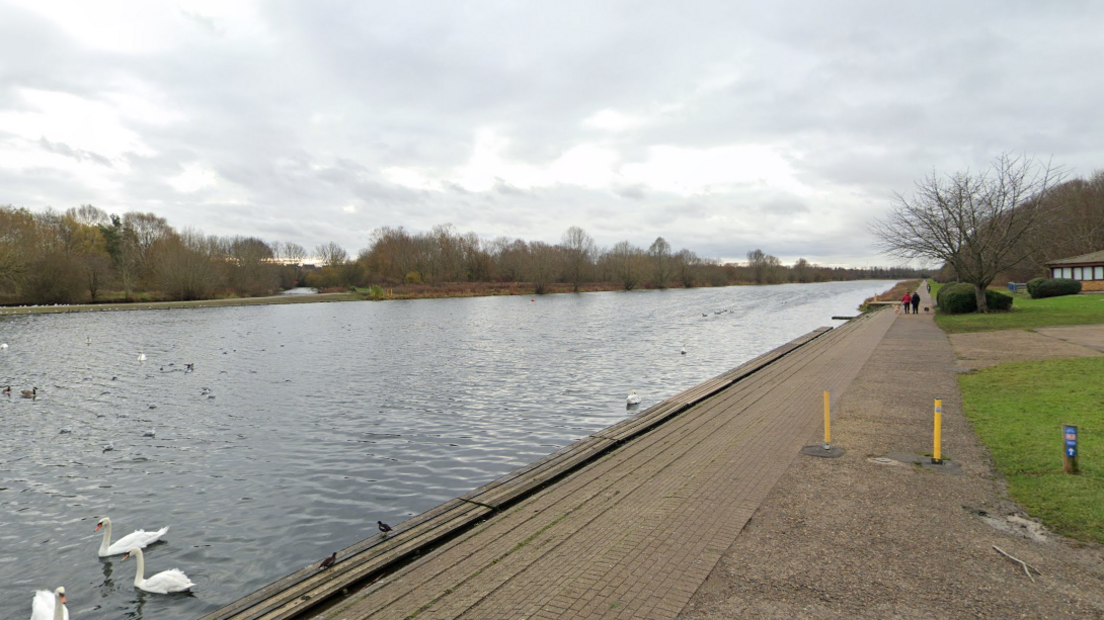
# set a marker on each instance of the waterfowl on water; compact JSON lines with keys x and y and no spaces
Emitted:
{"x":4,"y":346}
{"x":6,"y":391}
{"x":138,"y":538}
{"x":172,"y":580}
{"x":141,"y":356}
{"x":31,"y":393}
{"x":683,"y":350}
{"x":633,"y":400}
{"x":49,"y":605}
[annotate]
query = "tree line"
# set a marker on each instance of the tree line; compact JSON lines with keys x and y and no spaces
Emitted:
{"x":87,"y":255}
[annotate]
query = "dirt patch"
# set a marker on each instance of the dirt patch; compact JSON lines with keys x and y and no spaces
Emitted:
{"x":984,"y":349}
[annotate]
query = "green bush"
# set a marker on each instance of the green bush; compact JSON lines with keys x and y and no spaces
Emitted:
{"x":1034,"y":284}
{"x":1053,"y":287}
{"x":943,"y":289}
{"x":960,"y":298}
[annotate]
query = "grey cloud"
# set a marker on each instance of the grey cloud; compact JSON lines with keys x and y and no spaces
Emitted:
{"x":861,"y":97}
{"x":65,"y":150}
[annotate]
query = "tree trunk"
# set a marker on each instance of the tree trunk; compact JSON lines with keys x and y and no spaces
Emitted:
{"x":979,"y":294}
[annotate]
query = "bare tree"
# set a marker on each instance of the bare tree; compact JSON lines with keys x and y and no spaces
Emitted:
{"x":686,"y":266}
{"x":543,"y":260}
{"x":628,"y":263}
{"x":331,"y":254}
{"x":977,"y":223}
{"x":660,"y":255}
{"x":579,"y":251}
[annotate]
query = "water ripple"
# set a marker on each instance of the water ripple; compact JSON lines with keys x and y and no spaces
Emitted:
{"x":304,"y":424}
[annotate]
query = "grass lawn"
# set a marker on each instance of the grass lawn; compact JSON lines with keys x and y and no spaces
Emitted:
{"x":1018,"y":410}
{"x":1027,"y":313}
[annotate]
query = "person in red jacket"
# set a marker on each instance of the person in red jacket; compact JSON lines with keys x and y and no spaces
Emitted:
{"x":906,"y":301}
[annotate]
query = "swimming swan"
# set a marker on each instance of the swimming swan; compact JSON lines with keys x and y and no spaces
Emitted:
{"x":141,"y":356}
{"x":49,"y":605}
{"x":172,"y":580}
{"x":633,"y":400}
{"x":139,"y":538}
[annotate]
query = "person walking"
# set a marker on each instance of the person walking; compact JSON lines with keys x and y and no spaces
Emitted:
{"x":906,"y":301}
{"x":916,"y":302}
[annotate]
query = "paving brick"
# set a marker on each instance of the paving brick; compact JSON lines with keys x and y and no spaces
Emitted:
{"x":634,"y":534}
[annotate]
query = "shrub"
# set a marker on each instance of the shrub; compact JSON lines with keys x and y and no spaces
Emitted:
{"x":1033,"y":284}
{"x":1054,"y":287}
{"x":960,"y":298}
{"x":945,"y":288}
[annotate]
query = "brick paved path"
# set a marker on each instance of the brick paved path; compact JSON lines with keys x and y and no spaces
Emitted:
{"x":636,"y":533}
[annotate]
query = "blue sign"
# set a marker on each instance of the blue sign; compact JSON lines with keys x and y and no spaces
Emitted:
{"x":1070,"y":433}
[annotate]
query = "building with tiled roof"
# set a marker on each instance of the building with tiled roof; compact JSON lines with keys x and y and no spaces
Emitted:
{"x":1088,"y":268}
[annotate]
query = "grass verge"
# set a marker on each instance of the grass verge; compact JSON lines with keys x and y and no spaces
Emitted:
{"x":1028,"y":313}
{"x":1018,"y":410}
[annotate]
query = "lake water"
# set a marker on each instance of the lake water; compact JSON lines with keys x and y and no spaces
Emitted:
{"x":303,"y":424}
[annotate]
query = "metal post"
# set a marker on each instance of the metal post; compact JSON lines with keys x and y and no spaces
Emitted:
{"x":937,"y":453}
{"x":1069,"y":456}
{"x":827,"y":423}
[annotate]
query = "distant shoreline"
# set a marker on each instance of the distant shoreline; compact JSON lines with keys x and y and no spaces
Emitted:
{"x":403,"y":293}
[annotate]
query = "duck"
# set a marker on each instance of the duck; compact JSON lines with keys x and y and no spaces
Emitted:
{"x":31,"y":393}
{"x":633,"y":400}
{"x":328,"y":562}
{"x":683,"y":350}
{"x":6,"y":391}
{"x":383,"y":527}
{"x":136,"y":539}
{"x":49,"y":605}
{"x":4,"y":346}
{"x":172,"y":580}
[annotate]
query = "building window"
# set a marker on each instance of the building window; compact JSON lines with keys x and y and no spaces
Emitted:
{"x":1098,"y":272}
{"x":1067,"y":272}
{"x":1077,"y":273}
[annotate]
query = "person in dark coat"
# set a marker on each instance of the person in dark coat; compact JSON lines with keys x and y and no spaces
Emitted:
{"x":916,"y":302}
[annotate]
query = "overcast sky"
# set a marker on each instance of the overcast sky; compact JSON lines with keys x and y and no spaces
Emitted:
{"x":722,"y":126}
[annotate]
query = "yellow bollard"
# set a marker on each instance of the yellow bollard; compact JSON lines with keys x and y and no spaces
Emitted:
{"x":827,"y":424}
{"x":937,"y":453}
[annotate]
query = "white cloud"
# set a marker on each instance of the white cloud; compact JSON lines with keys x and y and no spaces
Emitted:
{"x":194,"y":178}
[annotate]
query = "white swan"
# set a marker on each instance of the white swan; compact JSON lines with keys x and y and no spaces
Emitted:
{"x":172,"y":580}
{"x":141,"y":356}
{"x":49,"y":605}
{"x":633,"y":400}
{"x":139,"y":538}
